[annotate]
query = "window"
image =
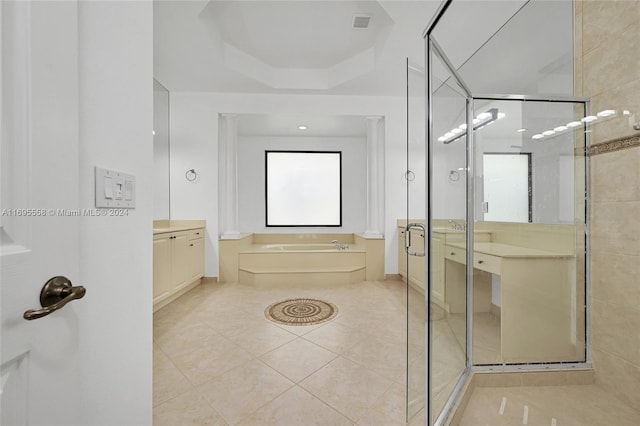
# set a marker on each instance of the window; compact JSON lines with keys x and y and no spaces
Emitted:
{"x":303,"y":188}
{"x":507,"y":187}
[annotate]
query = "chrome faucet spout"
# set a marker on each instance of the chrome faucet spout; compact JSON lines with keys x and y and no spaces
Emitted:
{"x":457,"y":226}
{"x":339,"y":245}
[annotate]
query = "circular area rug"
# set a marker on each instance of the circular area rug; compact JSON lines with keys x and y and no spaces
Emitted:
{"x":301,"y":311}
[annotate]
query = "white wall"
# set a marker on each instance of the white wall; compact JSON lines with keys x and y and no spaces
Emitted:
{"x":115,"y":50}
{"x":251,"y":183}
{"x":194,"y":144}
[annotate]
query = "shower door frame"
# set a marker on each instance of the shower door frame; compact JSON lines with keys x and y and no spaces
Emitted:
{"x":432,"y":47}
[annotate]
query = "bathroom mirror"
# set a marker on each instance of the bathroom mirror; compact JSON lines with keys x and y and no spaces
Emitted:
{"x":520,"y":58}
{"x":161,"y":152}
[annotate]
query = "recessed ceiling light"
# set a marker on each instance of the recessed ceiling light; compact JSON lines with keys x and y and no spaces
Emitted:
{"x":589,"y":119}
{"x":560,"y":129}
{"x":538,"y":136}
{"x":521,"y":130}
{"x":302,"y":127}
{"x":574,"y":124}
{"x":548,"y":132}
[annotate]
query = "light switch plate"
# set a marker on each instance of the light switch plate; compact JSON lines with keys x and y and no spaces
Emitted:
{"x":115,"y":189}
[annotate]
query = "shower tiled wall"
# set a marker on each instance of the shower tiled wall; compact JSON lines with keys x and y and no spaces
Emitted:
{"x":607,"y":70}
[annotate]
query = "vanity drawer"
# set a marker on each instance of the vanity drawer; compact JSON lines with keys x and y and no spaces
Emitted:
{"x":486,"y":262}
{"x":456,"y":254}
{"x":194,"y":234}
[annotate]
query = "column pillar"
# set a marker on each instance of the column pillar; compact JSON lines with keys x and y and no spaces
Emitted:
{"x":230,"y":176}
{"x":375,"y":181}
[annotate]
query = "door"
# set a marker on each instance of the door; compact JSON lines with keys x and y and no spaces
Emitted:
{"x":40,"y":378}
{"x":414,"y":244}
{"x":58,"y":89}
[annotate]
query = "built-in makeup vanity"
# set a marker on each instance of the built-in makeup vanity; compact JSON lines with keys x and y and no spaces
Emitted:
{"x":534,"y":288}
{"x":178,"y":258}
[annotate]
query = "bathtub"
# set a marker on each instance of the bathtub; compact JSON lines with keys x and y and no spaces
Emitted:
{"x":298,"y":247}
{"x":277,"y":259}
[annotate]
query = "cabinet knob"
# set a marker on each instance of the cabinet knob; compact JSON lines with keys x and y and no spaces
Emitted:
{"x":190,"y":245}
{"x":453,"y":253}
{"x":480,"y":261}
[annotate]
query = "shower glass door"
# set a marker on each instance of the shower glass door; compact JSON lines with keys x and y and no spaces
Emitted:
{"x":449,"y":137}
{"x":412,"y":238}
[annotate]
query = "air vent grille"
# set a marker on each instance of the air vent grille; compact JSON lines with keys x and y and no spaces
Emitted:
{"x":361,"y":22}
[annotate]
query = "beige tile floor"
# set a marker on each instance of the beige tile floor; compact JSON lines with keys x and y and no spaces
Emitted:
{"x":219,"y":361}
{"x":578,"y":405}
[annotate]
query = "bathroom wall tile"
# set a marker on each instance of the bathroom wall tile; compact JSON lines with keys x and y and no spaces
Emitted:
{"x":615,"y":227}
{"x":581,"y":377}
{"x":615,"y":175}
{"x":617,"y":376}
{"x":616,"y":330}
{"x":618,"y":97}
{"x":498,"y":379}
{"x":602,"y":67}
{"x":577,"y":47}
{"x":614,"y":279}
{"x":603,"y":20}
{"x":241,"y":391}
{"x":544,"y":378}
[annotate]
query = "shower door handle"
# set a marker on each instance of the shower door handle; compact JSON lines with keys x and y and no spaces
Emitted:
{"x":407,"y":239}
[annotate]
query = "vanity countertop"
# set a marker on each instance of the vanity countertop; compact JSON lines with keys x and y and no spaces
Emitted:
{"x":165,"y":226}
{"x":507,"y":250}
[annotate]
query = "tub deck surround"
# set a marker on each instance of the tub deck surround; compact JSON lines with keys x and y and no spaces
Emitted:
{"x":274,"y":259}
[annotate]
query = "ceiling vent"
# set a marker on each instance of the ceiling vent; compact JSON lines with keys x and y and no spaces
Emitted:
{"x":361,"y":22}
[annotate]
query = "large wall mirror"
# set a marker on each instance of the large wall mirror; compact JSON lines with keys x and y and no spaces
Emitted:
{"x":161,"y":152}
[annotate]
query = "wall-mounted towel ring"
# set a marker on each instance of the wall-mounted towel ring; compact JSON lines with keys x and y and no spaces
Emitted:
{"x":191,"y":175}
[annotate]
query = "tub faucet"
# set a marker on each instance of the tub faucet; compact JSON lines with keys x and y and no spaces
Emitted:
{"x":457,"y":226}
{"x":339,"y":245}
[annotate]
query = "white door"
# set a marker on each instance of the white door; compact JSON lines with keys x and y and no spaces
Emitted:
{"x":76,"y":93}
{"x":39,"y":235}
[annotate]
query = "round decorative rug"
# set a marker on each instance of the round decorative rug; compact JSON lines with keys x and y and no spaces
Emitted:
{"x":301,"y":311}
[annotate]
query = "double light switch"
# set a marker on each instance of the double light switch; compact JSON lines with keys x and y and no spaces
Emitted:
{"x":114,"y":189}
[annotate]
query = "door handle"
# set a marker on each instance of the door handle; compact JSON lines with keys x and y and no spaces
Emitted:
{"x":55,"y":293}
{"x":407,"y":239}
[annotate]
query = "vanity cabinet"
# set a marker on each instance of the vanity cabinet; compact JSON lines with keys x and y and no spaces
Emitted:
{"x":178,"y":264}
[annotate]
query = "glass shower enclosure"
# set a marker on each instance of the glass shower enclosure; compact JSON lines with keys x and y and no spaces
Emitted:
{"x":505,"y":228}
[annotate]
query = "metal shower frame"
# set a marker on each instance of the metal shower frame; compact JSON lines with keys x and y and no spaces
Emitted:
{"x":432,"y":47}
